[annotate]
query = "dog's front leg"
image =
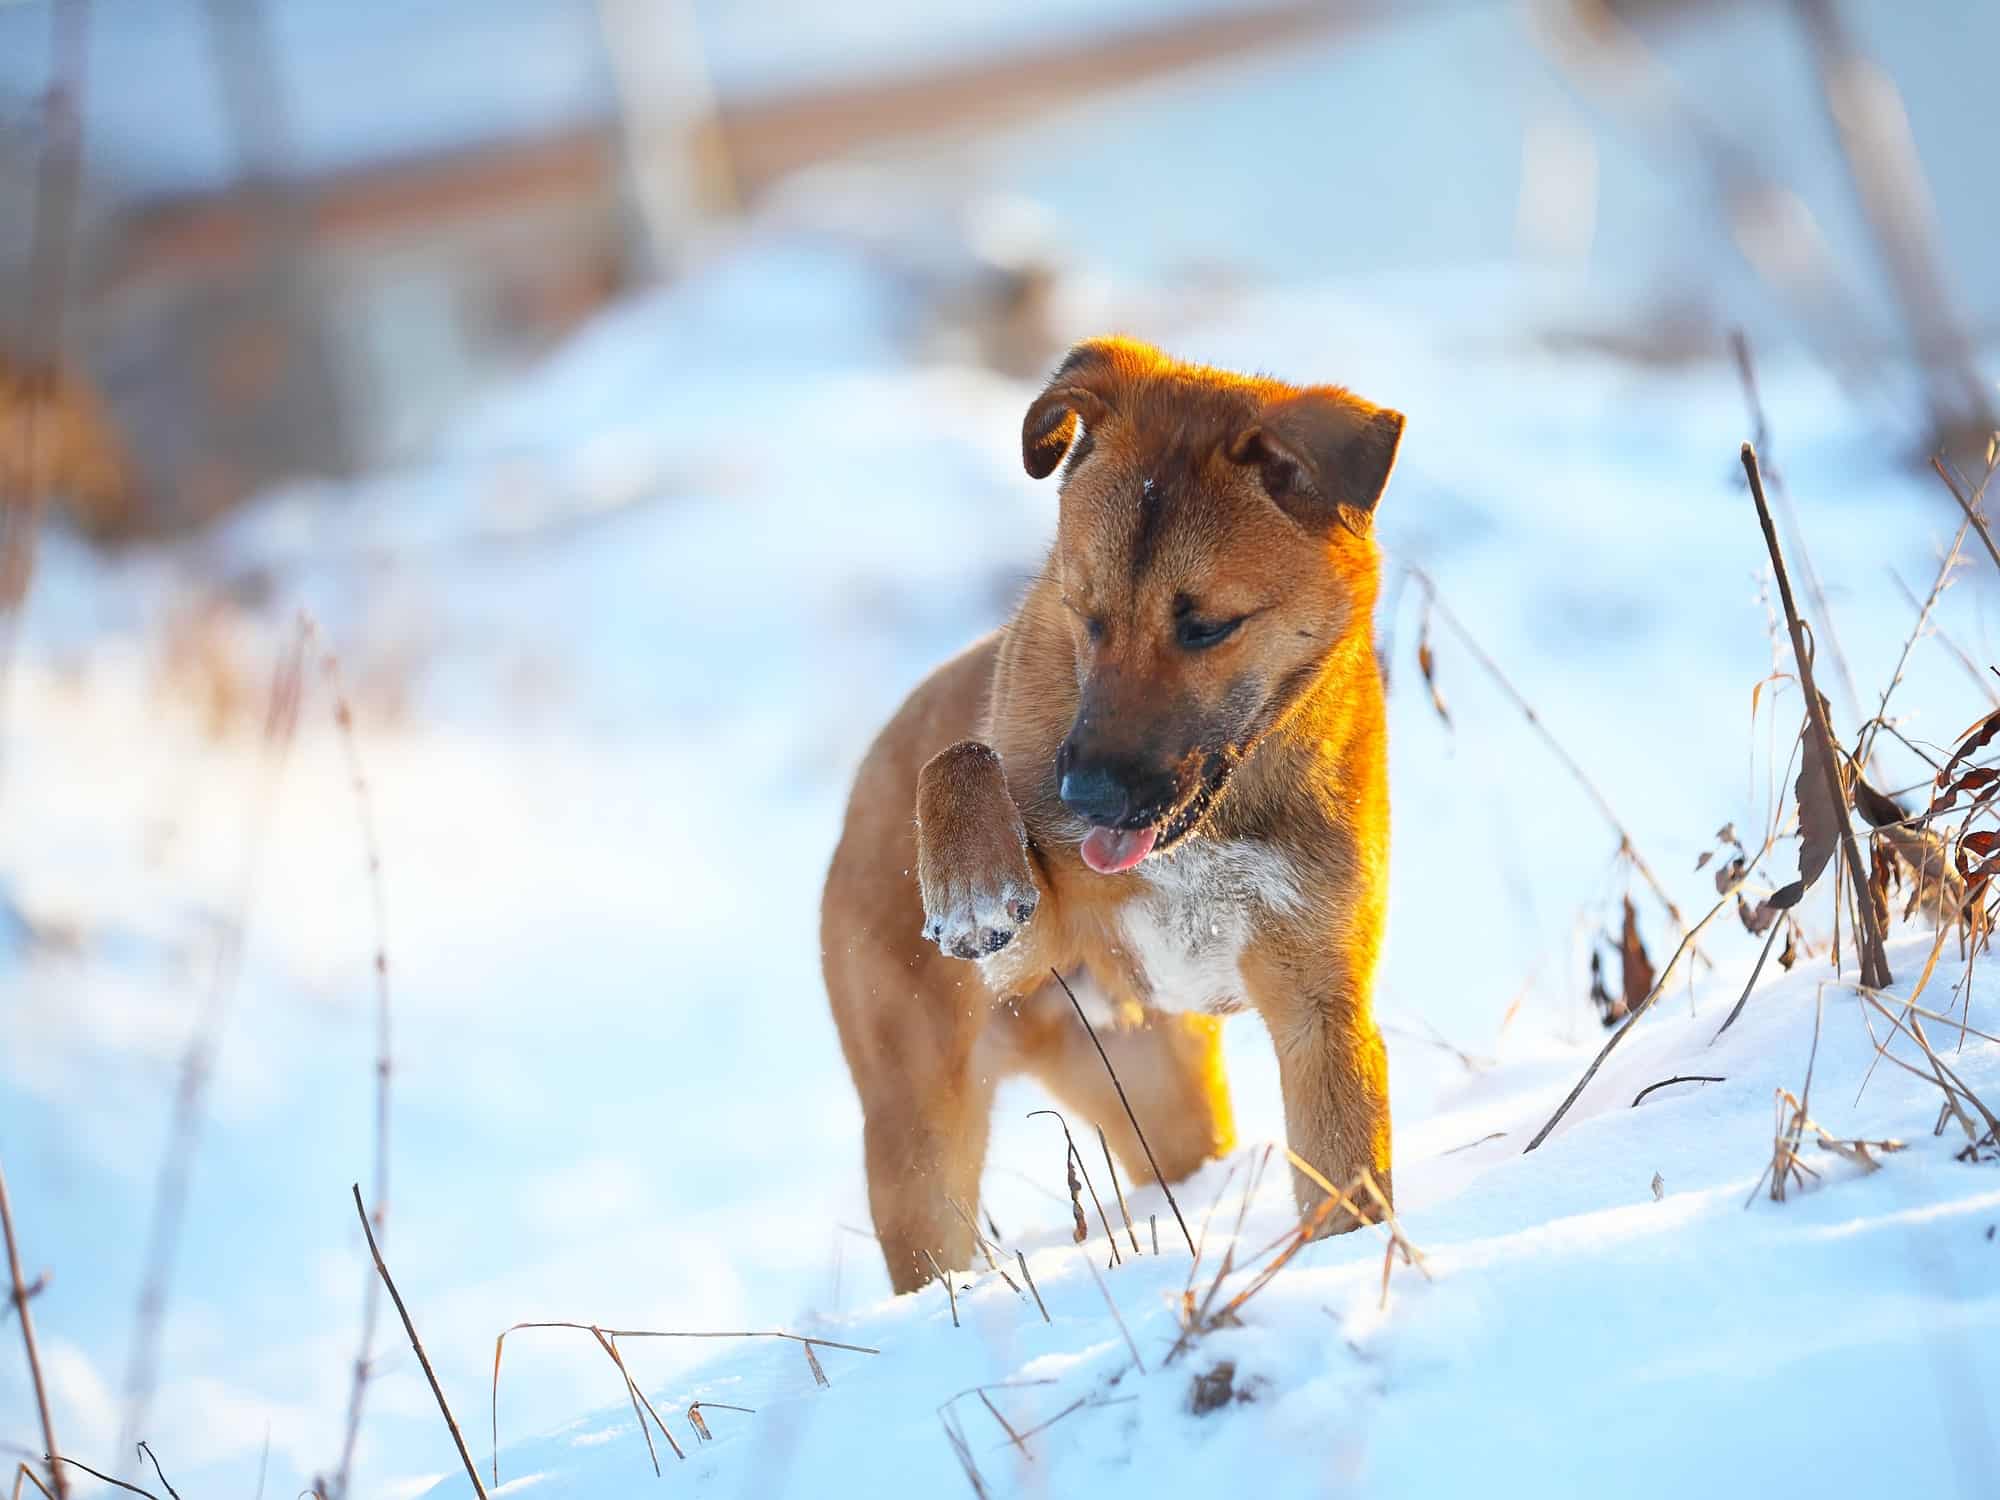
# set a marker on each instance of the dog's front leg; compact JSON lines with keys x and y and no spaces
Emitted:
{"x":925,"y":1092}
{"x":972,"y":854}
{"x":1332,"y":1067}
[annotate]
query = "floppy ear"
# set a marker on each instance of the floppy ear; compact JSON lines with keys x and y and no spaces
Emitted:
{"x":1079,"y":389}
{"x":1323,"y":455}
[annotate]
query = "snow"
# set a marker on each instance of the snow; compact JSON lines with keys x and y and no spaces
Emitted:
{"x":608,"y":732}
{"x":1577,"y":1328}
{"x":615,"y":649}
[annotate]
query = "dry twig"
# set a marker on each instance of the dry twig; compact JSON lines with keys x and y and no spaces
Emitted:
{"x":955,"y":1435}
{"x":1739,"y":346}
{"x":19,"y":1298}
{"x":950,"y":1292}
{"x":1749,"y":984}
{"x":1822,"y":750}
{"x":1938,"y":584}
{"x":1025,"y":1276}
{"x":58,"y":190}
{"x":205,"y":1040}
{"x":1970,"y":505}
{"x":1638,"y":1011}
{"x":609,"y":1337}
{"x":639,"y":1401}
{"x":700,"y":1427}
{"x":1075,"y":1168}
{"x":146,"y":1452}
{"x":1144,"y":1145}
{"x":1118,"y":1191}
{"x":986,"y":1246}
{"x":371,"y":850}
{"x":417,"y":1344}
{"x":1017,"y":1439}
{"x":1677,"y":1078}
{"x":1116,"y":1316}
{"x":1626,"y":845}
{"x":118,"y":1484}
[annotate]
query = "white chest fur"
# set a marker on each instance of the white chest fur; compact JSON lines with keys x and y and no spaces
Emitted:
{"x":1185,"y":934}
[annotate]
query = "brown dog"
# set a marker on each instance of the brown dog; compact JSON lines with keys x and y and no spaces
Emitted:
{"x":1164,"y":777}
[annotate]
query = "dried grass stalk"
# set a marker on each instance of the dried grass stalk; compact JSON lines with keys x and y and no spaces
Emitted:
{"x":19,"y":1296}
{"x":417,"y":1344}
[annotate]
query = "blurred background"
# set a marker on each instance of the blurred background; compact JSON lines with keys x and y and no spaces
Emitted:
{"x":629,"y":392}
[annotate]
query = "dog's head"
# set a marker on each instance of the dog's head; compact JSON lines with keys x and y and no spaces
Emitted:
{"x":1214,"y":551}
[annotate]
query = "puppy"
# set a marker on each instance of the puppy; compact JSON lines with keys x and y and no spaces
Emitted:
{"x":1164,"y":778}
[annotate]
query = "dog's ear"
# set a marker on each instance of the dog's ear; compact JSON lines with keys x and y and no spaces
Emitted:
{"x":1081,"y":389}
{"x":1323,"y":454}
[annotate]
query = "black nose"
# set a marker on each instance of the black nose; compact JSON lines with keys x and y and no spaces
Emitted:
{"x":1112,"y":793}
{"x":1094,"y":794}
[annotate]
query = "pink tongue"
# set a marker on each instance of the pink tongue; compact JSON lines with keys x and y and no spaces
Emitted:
{"x":1112,"y":851}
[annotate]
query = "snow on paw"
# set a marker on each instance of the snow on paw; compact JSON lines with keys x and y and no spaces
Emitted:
{"x":972,"y":854}
{"x":975,"y":921}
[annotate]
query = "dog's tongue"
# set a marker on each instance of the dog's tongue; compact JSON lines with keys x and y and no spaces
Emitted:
{"x":1112,"y":851}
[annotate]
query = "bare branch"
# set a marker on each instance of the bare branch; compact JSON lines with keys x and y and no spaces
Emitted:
{"x":1158,"y":1176}
{"x":19,"y":1298}
{"x":1823,"y":750}
{"x":205,"y":1041}
{"x":364,"y":812}
{"x":1739,"y":346}
{"x":1677,"y":1078}
{"x":1627,"y":846}
{"x":417,"y":1344}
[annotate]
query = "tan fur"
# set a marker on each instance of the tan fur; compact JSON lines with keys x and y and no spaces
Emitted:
{"x":1191,"y":497}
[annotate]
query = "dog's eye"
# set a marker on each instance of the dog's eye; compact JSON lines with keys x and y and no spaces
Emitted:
{"x":1199,"y":635}
{"x":1093,"y":626}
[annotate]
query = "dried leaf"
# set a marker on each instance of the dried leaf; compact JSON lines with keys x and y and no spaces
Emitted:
{"x":1820,"y":820}
{"x":1729,"y":873}
{"x":1878,"y":808}
{"x":1427,"y":664}
{"x":1789,"y":954}
{"x":812,"y":1359}
{"x":1081,"y":1232}
{"x":1756,"y":919}
{"x":1976,"y":739}
{"x":1881,"y":872}
{"x":1936,"y":889}
{"x":701,"y":1427}
{"x":1610,"y":1007}
{"x":1972,"y":783}
{"x":1636,"y":969}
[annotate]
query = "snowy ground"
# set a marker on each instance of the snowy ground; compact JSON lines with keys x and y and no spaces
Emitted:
{"x":615,"y":652}
{"x":614,"y":658}
{"x":1621,"y":1310}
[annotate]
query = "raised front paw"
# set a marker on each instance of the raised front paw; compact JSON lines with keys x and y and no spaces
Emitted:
{"x":977,"y":922}
{"x":972,"y":854}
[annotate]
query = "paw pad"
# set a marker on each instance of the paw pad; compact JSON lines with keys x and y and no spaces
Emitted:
{"x":977,"y":924}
